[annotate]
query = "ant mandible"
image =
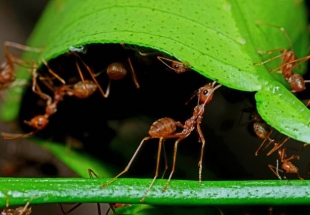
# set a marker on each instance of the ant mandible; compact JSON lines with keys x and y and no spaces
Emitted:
{"x":289,"y":61}
{"x":165,"y":128}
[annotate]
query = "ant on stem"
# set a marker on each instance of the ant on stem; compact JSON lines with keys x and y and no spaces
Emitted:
{"x":289,"y":61}
{"x":165,"y":128}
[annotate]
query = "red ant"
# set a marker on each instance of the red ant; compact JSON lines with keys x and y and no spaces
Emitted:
{"x":115,"y":71}
{"x":286,"y":165}
{"x":82,"y":89}
{"x":176,"y":66}
{"x":7,"y":68}
{"x":288,"y":63}
{"x":165,"y":128}
{"x":260,"y":128}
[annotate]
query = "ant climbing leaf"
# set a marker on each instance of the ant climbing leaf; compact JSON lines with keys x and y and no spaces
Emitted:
{"x":219,"y":39}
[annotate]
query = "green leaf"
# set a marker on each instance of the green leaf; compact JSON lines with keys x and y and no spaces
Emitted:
{"x":79,"y":162}
{"x":219,"y":39}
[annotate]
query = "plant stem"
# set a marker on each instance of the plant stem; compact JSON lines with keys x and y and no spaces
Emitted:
{"x":65,"y":190}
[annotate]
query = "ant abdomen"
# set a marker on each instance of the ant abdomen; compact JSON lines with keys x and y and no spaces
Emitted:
{"x":162,"y":127}
{"x":84,"y":89}
{"x":261,"y":129}
{"x":297,"y":82}
{"x":116,"y":71}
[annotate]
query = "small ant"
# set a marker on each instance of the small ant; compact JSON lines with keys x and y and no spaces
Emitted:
{"x":7,"y":68}
{"x":286,"y":165}
{"x":288,"y":63}
{"x":176,"y":66}
{"x":260,"y":128}
{"x":165,"y":128}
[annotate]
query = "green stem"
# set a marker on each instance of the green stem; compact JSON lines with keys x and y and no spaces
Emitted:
{"x":65,"y":190}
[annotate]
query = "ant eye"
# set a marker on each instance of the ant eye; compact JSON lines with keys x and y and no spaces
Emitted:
{"x":205,"y":92}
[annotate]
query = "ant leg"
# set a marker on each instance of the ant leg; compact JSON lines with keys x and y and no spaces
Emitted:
{"x":52,"y":72}
{"x":156,"y":171}
{"x":36,"y":89}
{"x":202,"y":140}
{"x":299,"y":60}
{"x":165,"y":158}
{"x":128,"y":165}
{"x":174,"y":161}
{"x":8,"y":44}
{"x":105,"y":95}
{"x":271,"y":59}
{"x":70,"y":210}
{"x":91,"y":173}
{"x":9,"y":136}
{"x":133,"y":73}
{"x":276,"y":147}
{"x":262,"y":144}
{"x":272,"y":168}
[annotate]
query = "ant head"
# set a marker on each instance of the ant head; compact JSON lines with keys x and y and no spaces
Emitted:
{"x":38,"y":122}
{"x":205,"y":93}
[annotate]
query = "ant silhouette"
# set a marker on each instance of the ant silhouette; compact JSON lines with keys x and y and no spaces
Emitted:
{"x":165,"y":128}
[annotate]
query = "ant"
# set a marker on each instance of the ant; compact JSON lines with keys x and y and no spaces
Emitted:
{"x":115,"y":71}
{"x":82,"y":89}
{"x":176,"y":66}
{"x":288,"y":63}
{"x":286,"y":165}
{"x":165,"y":128}
{"x":260,"y":128}
{"x":7,"y":68}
